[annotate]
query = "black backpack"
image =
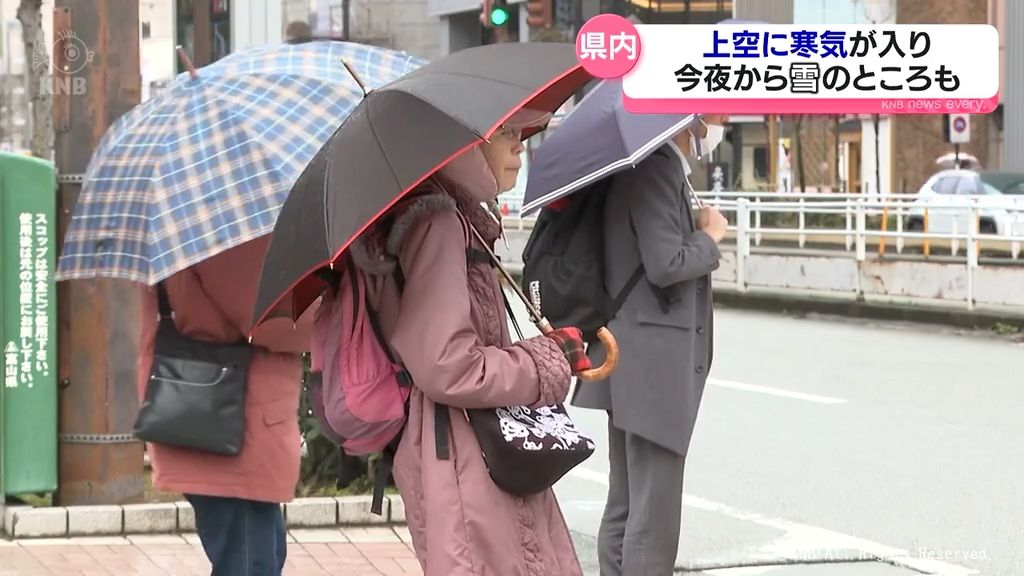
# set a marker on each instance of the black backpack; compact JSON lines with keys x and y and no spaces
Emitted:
{"x":563,"y":273}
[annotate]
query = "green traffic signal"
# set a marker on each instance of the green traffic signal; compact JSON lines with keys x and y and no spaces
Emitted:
{"x":499,"y":16}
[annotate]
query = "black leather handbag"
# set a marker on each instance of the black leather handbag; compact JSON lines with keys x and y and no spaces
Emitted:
{"x":195,"y":397}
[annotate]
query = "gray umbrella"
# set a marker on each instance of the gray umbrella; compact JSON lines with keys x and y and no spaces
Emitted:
{"x":597,"y":139}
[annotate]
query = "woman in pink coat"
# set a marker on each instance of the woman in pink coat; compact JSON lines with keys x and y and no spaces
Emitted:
{"x":449,"y":328}
{"x":236,"y":499}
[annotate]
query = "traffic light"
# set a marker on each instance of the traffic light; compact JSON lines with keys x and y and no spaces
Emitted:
{"x":539,"y":13}
{"x":495,"y":13}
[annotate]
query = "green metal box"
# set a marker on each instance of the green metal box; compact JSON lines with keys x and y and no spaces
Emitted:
{"x":28,"y":325}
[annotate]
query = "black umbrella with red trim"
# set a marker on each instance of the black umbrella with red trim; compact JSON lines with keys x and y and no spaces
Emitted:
{"x":395,"y":138}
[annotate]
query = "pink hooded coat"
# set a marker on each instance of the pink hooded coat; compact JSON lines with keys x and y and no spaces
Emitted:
{"x":450,"y":329}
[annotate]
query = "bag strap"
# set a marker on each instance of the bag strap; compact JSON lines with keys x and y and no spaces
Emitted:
{"x":442,"y":416}
{"x":403,"y":376}
{"x":165,"y":312}
{"x":511,"y":314}
{"x":620,"y":298}
{"x":387,"y":460}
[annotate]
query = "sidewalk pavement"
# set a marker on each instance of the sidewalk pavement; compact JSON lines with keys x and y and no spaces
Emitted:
{"x":321,"y":552}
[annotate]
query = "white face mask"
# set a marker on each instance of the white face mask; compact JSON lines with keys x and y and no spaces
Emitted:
{"x":707,"y":144}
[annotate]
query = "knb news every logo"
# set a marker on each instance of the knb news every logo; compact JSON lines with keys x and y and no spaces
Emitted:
{"x":740,"y":67}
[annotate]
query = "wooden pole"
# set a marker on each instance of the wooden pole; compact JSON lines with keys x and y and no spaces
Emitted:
{"x":98,"y":320}
{"x":773,"y":153}
{"x":187,"y":62}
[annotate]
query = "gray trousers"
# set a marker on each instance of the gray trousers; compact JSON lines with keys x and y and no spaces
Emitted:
{"x":639,"y":534}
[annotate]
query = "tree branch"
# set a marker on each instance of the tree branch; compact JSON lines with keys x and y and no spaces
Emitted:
{"x":37,"y":61}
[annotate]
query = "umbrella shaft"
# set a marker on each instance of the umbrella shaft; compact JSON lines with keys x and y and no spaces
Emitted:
{"x":538,"y":318}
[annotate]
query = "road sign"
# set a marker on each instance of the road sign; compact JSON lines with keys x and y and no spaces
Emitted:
{"x":959,"y":128}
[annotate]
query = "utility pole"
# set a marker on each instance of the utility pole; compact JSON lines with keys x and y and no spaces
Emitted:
{"x":346,"y":11}
{"x":98,"y":335}
{"x":773,"y":153}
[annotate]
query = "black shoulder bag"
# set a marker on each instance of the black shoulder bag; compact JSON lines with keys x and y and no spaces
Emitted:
{"x":195,"y":397}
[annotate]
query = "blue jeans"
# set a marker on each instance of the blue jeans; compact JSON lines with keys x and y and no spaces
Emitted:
{"x":240,"y":537}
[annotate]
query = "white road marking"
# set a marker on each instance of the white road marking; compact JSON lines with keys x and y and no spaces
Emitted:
{"x":775,"y":391}
{"x":799,"y":540}
{"x":744,"y":571}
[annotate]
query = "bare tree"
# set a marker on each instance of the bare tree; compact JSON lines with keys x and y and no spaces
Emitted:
{"x":37,"y":60}
{"x":798,"y":143}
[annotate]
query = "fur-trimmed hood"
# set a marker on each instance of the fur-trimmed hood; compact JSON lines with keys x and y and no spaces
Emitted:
{"x":378,"y":255}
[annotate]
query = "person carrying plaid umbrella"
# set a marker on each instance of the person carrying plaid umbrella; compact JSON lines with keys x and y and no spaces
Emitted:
{"x":182,"y":194}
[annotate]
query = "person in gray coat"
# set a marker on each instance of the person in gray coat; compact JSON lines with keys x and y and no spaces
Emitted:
{"x":664,"y":331}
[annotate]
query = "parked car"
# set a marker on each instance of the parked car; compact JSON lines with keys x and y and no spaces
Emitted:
{"x":949,"y":194}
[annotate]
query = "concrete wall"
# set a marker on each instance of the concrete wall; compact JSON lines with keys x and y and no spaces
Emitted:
{"x":256,"y":23}
{"x":400,"y":24}
{"x":891,"y":280}
{"x":774,"y":11}
{"x":839,"y":275}
{"x":404,"y":24}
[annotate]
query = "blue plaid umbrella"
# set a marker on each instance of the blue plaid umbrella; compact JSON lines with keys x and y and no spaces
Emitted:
{"x":206,"y":164}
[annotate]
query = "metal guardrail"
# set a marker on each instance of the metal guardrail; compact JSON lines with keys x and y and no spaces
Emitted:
{"x":879,"y":221}
{"x":862,"y":227}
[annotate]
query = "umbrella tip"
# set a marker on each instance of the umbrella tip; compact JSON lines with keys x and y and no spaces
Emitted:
{"x":355,"y":76}
{"x":187,"y":62}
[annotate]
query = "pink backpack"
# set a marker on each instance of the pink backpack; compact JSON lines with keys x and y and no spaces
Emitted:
{"x":359,"y":396}
{"x":358,"y":390}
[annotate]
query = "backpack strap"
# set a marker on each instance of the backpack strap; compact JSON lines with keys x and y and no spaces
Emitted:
{"x":442,"y":415}
{"x":404,"y":379}
{"x":620,"y":298}
{"x":384,"y":468}
{"x":387,"y":460}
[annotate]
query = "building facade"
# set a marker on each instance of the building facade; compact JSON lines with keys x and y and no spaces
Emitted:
{"x":1011,"y":120}
{"x":839,"y":153}
{"x":398,"y":24}
{"x":917,"y":139}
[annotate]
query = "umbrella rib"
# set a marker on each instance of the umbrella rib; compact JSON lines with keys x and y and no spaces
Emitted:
{"x":463,"y":75}
{"x":397,"y":86}
{"x":380,"y":145}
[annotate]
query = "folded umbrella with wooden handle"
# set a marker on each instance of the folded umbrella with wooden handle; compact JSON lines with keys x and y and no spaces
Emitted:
{"x":604,"y":335}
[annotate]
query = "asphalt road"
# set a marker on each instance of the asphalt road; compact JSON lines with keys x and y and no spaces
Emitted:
{"x":827,"y":440}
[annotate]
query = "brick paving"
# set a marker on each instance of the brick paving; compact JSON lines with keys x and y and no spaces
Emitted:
{"x":320,"y":552}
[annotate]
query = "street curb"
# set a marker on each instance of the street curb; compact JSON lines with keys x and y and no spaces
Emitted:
{"x":780,"y":303}
{"x":836,"y":306}
{"x":25,"y":522}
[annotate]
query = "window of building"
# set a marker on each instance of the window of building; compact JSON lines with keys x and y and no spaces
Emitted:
{"x":147,"y":31}
{"x":203,"y":29}
{"x":675,"y":11}
{"x":761,"y":162}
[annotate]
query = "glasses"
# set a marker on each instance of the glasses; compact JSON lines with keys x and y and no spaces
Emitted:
{"x":509,"y":133}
